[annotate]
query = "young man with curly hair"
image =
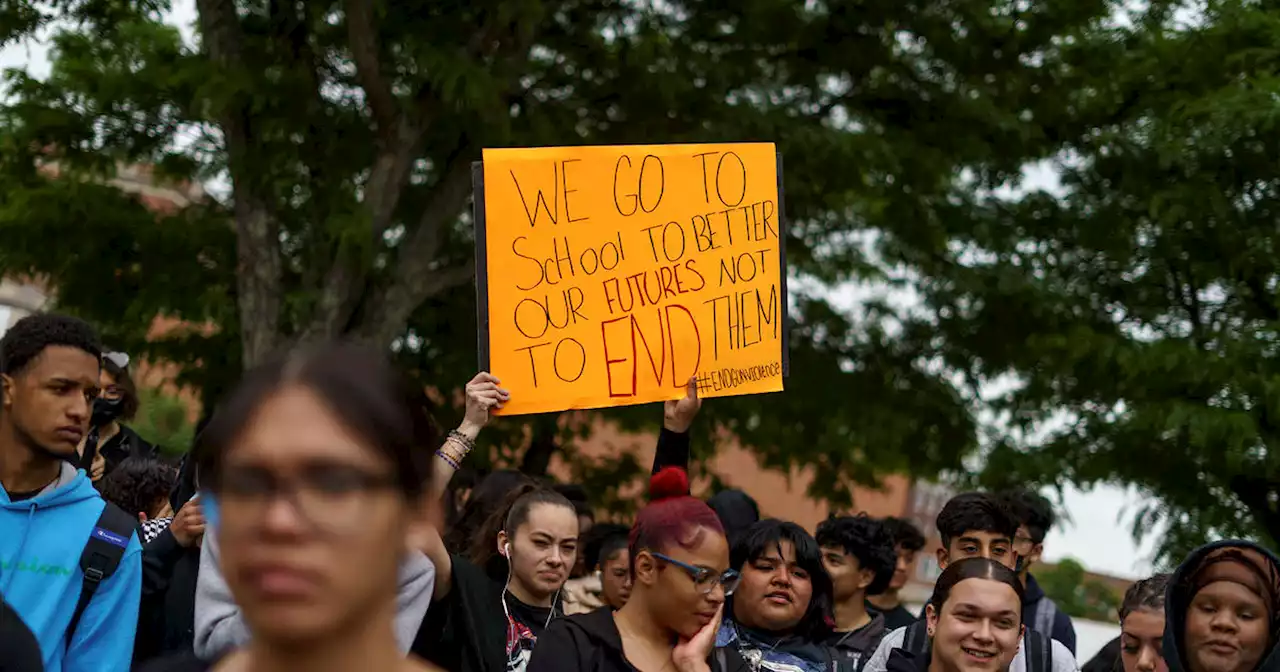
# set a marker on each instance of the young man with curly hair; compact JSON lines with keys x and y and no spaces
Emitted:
{"x":858,"y":554}
{"x":50,"y":512}
{"x":908,"y":541}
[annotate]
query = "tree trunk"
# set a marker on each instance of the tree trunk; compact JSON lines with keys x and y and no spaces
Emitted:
{"x":258,"y":266}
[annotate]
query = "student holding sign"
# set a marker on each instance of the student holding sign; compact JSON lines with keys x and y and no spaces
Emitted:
{"x":482,"y":620}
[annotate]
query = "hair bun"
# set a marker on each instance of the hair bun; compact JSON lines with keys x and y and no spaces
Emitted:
{"x":667,"y":483}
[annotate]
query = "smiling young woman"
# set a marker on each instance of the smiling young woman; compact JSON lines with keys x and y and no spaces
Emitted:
{"x":974,"y":621}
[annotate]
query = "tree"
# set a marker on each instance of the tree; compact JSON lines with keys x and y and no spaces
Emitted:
{"x":1075,"y":593}
{"x":1138,"y":310}
{"x":346,"y":131}
{"x":163,"y":420}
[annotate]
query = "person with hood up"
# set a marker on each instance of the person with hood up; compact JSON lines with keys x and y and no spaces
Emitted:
{"x":49,"y":510}
{"x":859,"y":555}
{"x":1222,"y":610}
{"x":680,"y":559}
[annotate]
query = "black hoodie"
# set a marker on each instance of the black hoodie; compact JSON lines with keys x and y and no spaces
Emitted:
{"x":1178,"y":600}
{"x":21,"y":651}
{"x":591,"y":643}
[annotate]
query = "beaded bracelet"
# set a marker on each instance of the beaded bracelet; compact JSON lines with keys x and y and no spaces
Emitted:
{"x":448,"y":460}
{"x":467,"y":442}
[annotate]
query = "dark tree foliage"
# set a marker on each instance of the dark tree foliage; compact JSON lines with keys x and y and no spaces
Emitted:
{"x":1138,"y":309}
{"x":345,"y":131}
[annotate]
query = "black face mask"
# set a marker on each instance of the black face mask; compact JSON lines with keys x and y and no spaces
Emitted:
{"x":105,"y":411}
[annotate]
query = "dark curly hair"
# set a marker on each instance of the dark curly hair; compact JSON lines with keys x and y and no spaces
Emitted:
{"x":29,"y":337}
{"x":138,"y":484}
{"x":1032,"y":510}
{"x":866,"y":539}
{"x":906,"y":535}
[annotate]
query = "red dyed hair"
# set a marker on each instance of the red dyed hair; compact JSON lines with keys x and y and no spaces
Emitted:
{"x":672,"y":517}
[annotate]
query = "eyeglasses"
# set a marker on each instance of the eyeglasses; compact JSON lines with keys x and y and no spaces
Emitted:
{"x":706,"y":579}
{"x":120,"y":359}
{"x":328,"y":498}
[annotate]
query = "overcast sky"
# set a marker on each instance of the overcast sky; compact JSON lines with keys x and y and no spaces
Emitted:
{"x":1097,"y":534}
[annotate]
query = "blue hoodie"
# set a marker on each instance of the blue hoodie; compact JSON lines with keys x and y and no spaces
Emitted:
{"x":41,"y":540}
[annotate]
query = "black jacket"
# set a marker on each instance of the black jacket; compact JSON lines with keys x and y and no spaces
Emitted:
{"x":19,"y":650}
{"x":124,"y":445}
{"x":591,"y":643}
{"x":166,"y":616}
{"x":467,"y":630}
{"x":1178,"y":599}
{"x":857,"y":646}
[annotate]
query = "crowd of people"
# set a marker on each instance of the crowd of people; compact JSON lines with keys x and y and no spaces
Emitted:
{"x":322,"y":522}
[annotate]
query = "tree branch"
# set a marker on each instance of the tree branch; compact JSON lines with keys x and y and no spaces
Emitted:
{"x":1256,"y":493}
{"x":399,"y":137}
{"x":257,"y":233}
{"x":362,"y":38}
{"x":416,"y":276}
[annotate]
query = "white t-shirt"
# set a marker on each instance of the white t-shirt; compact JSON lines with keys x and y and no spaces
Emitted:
{"x":1063,"y":661}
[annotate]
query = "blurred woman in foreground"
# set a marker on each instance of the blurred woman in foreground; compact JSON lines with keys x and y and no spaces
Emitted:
{"x":318,"y":466}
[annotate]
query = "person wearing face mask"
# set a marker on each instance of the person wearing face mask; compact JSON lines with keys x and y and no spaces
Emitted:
{"x":1142,"y":625}
{"x":978,"y":525}
{"x":110,"y":442}
{"x":1035,"y":517}
{"x":1222,"y":610}
{"x":781,"y":612}
{"x":974,"y":621}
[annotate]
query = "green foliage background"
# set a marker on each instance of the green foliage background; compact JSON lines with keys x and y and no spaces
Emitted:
{"x":1118,"y":328}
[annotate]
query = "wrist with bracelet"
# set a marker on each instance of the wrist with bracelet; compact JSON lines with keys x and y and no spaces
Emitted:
{"x":455,"y":449}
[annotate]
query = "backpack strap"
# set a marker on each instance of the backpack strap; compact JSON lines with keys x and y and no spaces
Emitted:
{"x":916,"y":641}
{"x":722,"y":661}
{"x":101,"y":556}
{"x":1039,"y":652}
{"x":1046,"y":614}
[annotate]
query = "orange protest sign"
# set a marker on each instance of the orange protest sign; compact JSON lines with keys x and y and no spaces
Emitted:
{"x":610,"y":276}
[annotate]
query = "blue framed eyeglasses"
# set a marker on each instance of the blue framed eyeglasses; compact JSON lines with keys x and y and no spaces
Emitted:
{"x":705,"y":579}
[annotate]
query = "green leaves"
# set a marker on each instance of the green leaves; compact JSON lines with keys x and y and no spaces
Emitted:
{"x":1139,"y":310}
{"x":893,"y":117}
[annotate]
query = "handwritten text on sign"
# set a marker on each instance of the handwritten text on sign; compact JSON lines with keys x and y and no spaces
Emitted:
{"x":617,"y":273}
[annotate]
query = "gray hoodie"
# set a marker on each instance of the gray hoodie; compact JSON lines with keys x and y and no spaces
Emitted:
{"x":220,"y":629}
